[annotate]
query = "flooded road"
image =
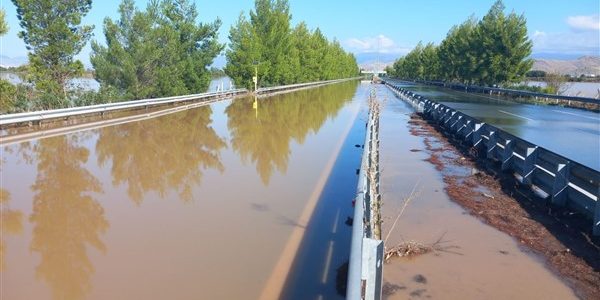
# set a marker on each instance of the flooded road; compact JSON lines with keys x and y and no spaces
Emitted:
{"x":476,"y":261}
{"x":211,"y":202}
{"x":552,"y":127}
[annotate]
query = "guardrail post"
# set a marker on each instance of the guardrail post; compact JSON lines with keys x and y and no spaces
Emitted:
{"x":372,"y":268}
{"x":596,"y":230}
{"x":476,"y":137}
{"x":561,"y":182}
{"x":507,"y":155}
{"x":491,"y":144}
{"x":529,"y":165}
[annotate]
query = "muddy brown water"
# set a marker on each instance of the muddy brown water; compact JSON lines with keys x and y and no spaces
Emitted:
{"x":211,"y":202}
{"x":482,"y":263}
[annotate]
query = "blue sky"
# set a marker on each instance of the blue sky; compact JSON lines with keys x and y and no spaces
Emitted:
{"x":387,"y":26}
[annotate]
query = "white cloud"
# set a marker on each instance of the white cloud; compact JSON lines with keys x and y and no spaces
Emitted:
{"x":538,"y":34}
{"x":591,"y":22}
{"x":379,"y":43}
{"x":574,"y":42}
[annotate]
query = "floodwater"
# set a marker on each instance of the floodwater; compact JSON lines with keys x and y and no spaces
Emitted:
{"x":211,"y":202}
{"x":80,"y":83}
{"x":481,"y":263}
{"x":552,"y":127}
{"x":581,"y":89}
{"x":91,"y":84}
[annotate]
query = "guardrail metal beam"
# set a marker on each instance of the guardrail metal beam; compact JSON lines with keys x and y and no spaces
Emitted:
{"x":565,"y":182}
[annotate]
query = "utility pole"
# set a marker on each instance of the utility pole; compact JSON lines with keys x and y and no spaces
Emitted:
{"x":255,"y":78}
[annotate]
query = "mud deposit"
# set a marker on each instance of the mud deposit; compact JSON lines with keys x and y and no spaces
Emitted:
{"x":560,"y":237}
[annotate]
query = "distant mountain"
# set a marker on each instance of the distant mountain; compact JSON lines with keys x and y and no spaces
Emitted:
{"x":11,"y":62}
{"x":555,"y":56}
{"x":366,"y":57}
{"x":373,"y":60}
{"x":582,"y":65}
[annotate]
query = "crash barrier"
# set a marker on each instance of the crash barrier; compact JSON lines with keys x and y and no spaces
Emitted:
{"x":556,"y":179}
{"x":63,"y":113}
{"x":366,"y":250}
{"x":8,"y":120}
{"x":510,"y":92}
{"x":282,"y":88}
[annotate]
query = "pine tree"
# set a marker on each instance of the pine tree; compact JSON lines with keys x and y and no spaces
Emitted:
{"x":161,"y":51}
{"x":503,"y":47}
{"x":3,"y":25}
{"x":282,"y":55}
{"x":53,"y":34}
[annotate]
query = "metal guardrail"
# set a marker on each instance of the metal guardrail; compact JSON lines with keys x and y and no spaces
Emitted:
{"x":481,"y":89}
{"x":37,"y":116}
{"x":558,"y":180}
{"x":42,"y":115}
{"x":281,"y":88}
{"x":366,"y":253}
{"x":69,"y":129}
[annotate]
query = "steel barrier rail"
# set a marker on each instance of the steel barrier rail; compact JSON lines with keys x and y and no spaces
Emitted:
{"x":36,"y":116}
{"x":47,"y":133}
{"x":482,"y":89}
{"x":274,"y":89}
{"x":558,"y":180}
{"x":42,"y":115}
{"x":364,"y":279}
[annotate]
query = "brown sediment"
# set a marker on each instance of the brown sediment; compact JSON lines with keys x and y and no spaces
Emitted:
{"x":494,"y":197}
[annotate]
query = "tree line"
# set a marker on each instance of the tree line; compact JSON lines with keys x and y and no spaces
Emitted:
{"x":161,"y":51}
{"x":491,"y":51}
{"x":266,"y":44}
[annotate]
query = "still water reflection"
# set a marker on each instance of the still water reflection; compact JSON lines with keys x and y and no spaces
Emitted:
{"x":199,"y":202}
{"x":262,"y":133}
{"x":66,"y":218}
{"x":162,"y":154}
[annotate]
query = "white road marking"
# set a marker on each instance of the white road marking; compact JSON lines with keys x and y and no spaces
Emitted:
{"x":578,"y":115}
{"x":327,"y":263}
{"x":335,"y":222}
{"x":505,"y":112}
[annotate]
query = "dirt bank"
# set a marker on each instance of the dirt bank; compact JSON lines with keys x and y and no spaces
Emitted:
{"x":562,"y":238}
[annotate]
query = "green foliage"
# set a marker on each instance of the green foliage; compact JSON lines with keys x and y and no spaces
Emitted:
{"x":535,"y":89}
{"x":266,"y":43}
{"x":15,"y":98}
{"x":53,"y":34}
{"x":491,"y":51}
{"x":217,"y":73}
{"x":457,"y":52}
{"x":537,"y":73}
{"x":3,"y":25}
{"x":7,"y":92}
{"x":161,"y":51}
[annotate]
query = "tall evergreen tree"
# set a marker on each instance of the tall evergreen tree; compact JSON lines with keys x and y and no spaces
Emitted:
{"x":3,"y":25}
{"x":457,"y":53}
{"x":6,"y":88}
{"x":281,"y":54}
{"x":161,"y":51}
{"x":53,"y":34}
{"x":503,"y":47}
{"x":492,"y":51}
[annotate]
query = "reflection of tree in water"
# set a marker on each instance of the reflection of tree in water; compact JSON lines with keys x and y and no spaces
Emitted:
{"x":264,"y":138}
{"x":163,"y":153}
{"x":66,"y":218}
{"x":12,"y":222}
